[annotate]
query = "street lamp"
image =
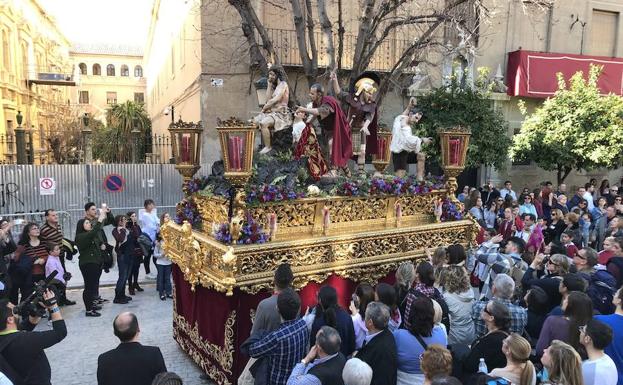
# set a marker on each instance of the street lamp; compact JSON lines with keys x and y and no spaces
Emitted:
{"x":186,"y":145}
{"x":454,"y":144}
{"x":261,"y":85}
{"x":20,"y":139}
{"x":86,"y":137}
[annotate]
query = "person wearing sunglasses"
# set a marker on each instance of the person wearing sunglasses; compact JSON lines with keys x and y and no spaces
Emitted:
{"x":546,"y":273}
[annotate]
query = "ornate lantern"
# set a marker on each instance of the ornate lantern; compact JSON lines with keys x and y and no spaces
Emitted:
{"x":186,"y":145}
{"x":382,"y":157}
{"x":261,"y":85}
{"x":454,"y":143}
{"x":237,"y":142}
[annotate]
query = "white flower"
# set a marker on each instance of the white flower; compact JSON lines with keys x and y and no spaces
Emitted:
{"x":313,"y":190}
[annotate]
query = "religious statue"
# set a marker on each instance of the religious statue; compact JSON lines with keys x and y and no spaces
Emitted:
{"x":362,"y":113}
{"x":335,"y":138}
{"x":275,"y":115}
{"x":404,"y":142}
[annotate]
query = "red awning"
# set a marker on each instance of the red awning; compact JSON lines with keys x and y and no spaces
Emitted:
{"x":533,"y":74}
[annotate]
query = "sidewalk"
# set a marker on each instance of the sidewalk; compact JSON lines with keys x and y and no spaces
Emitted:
{"x":108,"y":279}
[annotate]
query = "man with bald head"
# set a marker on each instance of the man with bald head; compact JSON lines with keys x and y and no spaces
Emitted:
{"x":130,"y":363}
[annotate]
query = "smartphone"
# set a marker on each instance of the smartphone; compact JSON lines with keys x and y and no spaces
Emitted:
{"x":355,"y":300}
{"x":18,"y":221}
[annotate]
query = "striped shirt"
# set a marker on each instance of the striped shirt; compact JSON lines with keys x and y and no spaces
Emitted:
{"x":284,"y":348}
{"x":34,"y":253}
{"x":49,"y":233}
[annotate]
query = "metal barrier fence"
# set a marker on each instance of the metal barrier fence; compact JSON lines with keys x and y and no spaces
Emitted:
{"x":27,"y":190}
{"x":20,"y":220}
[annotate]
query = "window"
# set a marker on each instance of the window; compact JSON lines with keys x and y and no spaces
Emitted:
{"x":110,"y":70}
{"x":84,"y":97}
{"x":111,"y":98}
{"x":83,"y":68}
{"x":139,"y":97}
{"x":125,"y":71}
{"x":5,"y":50}
{"x":138,"y":72}
{"x":603,"y":33}
{"x":97,"y":70}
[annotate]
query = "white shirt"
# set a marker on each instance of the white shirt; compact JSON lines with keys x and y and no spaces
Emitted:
{"x":601,"y":371}
{"x":297,"y":130}
{"x":403,"y":138}
{"x":161,"y":258}
{"x":589,"y":201}
{"x":4,"y":380}
{"x":149,"y":222}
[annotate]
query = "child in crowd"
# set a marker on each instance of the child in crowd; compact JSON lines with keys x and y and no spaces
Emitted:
{"x":60,"y":280}
{"x":585,"y":226}
{"x":567,"y":241}
{"x":163,"y":264}
{"x":438,"y":317}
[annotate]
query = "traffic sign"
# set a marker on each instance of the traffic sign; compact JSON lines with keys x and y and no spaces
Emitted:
{"x":114,"y":183}
{"x":47,"y":186}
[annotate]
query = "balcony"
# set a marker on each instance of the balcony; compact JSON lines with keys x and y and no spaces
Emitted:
{"x":52,"y":75}
{"x":286,"y":46}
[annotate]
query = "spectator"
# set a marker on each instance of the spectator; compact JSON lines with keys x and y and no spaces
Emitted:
{"x":130,"y":363}
{"x":508,"y":190}
{"x":502,"y":291}
{"x":460,"y":298}
{"x":363,"y":295}
{"x":547,"y":273}
{"x":287,"y":345}
{"x":137,"y":252}
{"x":478,"y":212}
{"x":615,"y":349}
{"x":405,"y":276}
{"x":508,"y":262}
{"x":379,"y":348}
{"x":588,"y":195}
{"x":436,"y":362}
{"x":491,"y":215}
{"x":561,"y":204}
{"x":439,"y":260}
{"x":489,"y":192}
{"x":518,"y":370}
{"x":7,"y":245}
{"x":124,"y":258}
{"x":101,"y":242}
{"x":464,"y":194}
{"x":615,"y":264}
{"x":150,"y":224}
{"x":556,"y":226}
{"x":506,"y":226}
{"x":163,"y":264}
{"x":23,"y":352}
{"x":569,"y":283}
{"x":90,"y":246}
{"x":599,"y":369}
{"x":579,"y":195}
{"x":526,"y":206}
{"x":474,"y":195}
{"x":572,"y":223}
{"x":425,"y":288}
{"x":386,"y":294}
{"x":329,"y":313}
{"x":567,"y":241}
{"x":562,"y":189}
{"x":607,"y":253}
{"x":563,"y":364}
{"x":411,"y":343}
{"x":52,"y":264}
{"x":527,"y":230}
{"x":577,"y":310}
{"x":537,"y":303}
{"x":497,"y":317}
{"x":34,"y":254}
{"x":51,"y":231}
{"x":267,"y":316}
{"x":356,"y":372}
{"x":585,"y":261}
{"x":324,"y":363}
{"x":167,"y":378}
{"x":456,"y":254}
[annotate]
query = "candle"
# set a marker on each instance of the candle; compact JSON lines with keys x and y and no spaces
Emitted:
{"x":326,"y":219}
{"x":398,"y":214}
{"x":186,"y":148}
{"x":381,"y":149}
{"x":455,"y":146}
{"x":272,"y":225}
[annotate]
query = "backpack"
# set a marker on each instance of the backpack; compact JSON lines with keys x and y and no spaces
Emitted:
{"x":618,"y":262}
{"x":517,"y":272}
{"x":601,"y":289}
{"x":5,"y":368}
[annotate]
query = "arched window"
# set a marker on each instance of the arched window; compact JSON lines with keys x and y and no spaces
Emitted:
{"x":83,"y":68}
{"x":5,"y":50}
{"x":97,"y":70}
{"x":138,"y":72}
{"x":110,"y":70}
{"x":125,"y":71}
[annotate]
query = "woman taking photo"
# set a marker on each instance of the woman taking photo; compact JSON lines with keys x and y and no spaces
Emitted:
{"x":34,"y":253}
{"x":90,"y":260}
{"x":412,"y":342}
{"x":363,"y":295}
{"x":405,"y":276}
{"x":386,"y":294}
{"x":134,"y":232}
{"x":7,"y":248}
{"x":518,"y":370}
{"x":563,"y":364}
{"x":328,"y":313}
{"x":459,"y":297}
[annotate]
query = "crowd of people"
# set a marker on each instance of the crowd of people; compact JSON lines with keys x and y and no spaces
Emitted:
{"x":537,"y":301}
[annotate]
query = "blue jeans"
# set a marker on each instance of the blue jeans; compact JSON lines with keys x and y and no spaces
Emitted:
{"x":124,"y":262}
{"x":163,"y":280}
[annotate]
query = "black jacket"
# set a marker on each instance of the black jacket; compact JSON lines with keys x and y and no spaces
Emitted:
{"x":130,"y":363}
{"x":380,"y":353}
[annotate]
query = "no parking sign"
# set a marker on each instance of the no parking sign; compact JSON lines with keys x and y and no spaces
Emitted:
{"x":114,"y":183}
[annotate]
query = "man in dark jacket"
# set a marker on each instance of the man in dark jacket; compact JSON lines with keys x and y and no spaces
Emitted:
{"x":130,"y":363}
{"x":379,"y":346}
{"x":323,"y":364}
{"x":90,"y":213}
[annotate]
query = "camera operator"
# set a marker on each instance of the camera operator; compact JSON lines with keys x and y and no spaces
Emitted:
{"x":23,"y":350}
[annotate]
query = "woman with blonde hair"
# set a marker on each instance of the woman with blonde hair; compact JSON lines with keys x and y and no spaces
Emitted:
{"x":518,"y":370}
{"x":405,"y":276}
{"x":563,"y":364}
{"x":439,"y":260}
{"x":435,"y":361}
{"x":555,"y":227}
{"x":459,"y":296}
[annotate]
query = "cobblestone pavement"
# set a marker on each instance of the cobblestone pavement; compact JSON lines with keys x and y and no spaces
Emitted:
{"x":74,"y":360}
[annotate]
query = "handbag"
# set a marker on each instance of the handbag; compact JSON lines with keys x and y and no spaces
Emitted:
{"x":106,"y":258}
{"x":474,"y":280}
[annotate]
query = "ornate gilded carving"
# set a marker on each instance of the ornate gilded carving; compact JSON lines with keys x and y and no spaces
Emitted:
{"x":295,"y":214}
{"x":351,"y":210}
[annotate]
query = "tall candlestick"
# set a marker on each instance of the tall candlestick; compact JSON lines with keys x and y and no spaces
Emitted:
{"x":326,"y":219}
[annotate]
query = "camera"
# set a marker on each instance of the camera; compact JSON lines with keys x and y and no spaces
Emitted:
{"x":29,"y":305}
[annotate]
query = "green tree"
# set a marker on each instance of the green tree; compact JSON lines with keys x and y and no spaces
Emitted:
{"x":453,"y":105}
{"x":115,"y":143}
{"x":576,"y":129}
